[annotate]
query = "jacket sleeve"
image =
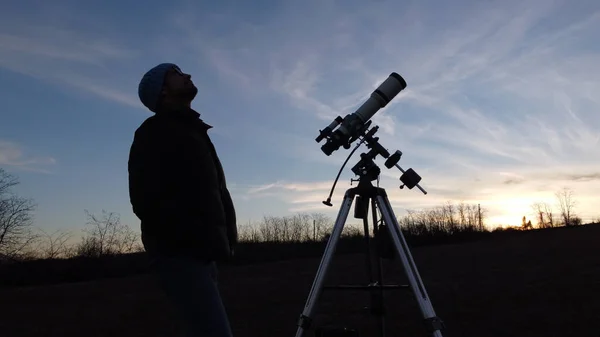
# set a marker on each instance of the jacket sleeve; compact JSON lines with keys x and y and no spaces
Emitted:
{"x":232,"y":231}
{"x":144,"y":169}
{"x":151,"y":175}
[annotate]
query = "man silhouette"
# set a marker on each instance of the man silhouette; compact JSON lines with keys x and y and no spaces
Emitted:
{"x":177,"y":189}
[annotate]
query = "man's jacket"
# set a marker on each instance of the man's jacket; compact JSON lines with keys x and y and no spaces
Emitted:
{"x":177,"y":189}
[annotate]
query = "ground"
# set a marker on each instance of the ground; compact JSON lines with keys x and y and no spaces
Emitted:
{"x":544,"y":283}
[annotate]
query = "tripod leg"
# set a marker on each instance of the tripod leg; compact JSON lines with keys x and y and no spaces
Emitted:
{"x":304,"y":323}
{"x":434,"y":323}
{"x":364,"y":215}
{"x":378,"y":297}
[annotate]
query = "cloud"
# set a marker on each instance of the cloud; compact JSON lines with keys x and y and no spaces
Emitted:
{"x":82,"y":60}
{"x":282,"y":52}
{"x":105,"y":91}
{"x":504,"y":204}
{"x":300,"y":196}
{"x":14,"y":155}
{"x":513,"y":181}
{"x":584,"y":177}
{"x":500,"y":106}
{"x":499,"y":47}
{"x":292,"y":186}
{"x":59,"y":44}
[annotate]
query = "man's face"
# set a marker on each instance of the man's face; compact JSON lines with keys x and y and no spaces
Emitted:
{"x":179,"y":86}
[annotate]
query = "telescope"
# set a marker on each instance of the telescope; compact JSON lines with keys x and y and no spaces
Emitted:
{"x":387,"y":234}
{"x":353,"y":125}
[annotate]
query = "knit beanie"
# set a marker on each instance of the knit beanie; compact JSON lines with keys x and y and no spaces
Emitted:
{"x":151,"y":85}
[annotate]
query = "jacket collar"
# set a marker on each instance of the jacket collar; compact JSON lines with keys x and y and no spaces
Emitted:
{"x":186,"y":115}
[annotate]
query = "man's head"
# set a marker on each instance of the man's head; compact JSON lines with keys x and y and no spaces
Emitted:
{"x":166,"y":86}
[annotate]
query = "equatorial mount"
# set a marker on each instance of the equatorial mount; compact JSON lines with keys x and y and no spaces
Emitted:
{"x":367,"y":169}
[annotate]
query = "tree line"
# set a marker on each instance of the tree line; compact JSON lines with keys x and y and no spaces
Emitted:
{"x":106,"y":235}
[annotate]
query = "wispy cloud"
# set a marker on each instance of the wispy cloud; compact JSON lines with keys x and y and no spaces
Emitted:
{"x":292,"y":186}
{"x":105,"y":89}
{"x":54,"y":43}
{"x":15,"y":156}
{"x":501,"y":106}
{"x":301,"y":196}
{"x":505,"y":196}
{"x":81,"y":59}
{"x":500,"y":100}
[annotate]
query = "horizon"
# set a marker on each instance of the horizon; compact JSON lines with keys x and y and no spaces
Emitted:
{"x":500,"y":108}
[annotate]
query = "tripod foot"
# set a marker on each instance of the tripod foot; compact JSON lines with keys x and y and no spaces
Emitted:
{"x":434,"y":324}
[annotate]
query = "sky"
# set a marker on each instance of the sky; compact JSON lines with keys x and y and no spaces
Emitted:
{"x":501,"y":107}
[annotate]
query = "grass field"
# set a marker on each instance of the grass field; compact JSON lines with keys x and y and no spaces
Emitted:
{"x":538,"y":283}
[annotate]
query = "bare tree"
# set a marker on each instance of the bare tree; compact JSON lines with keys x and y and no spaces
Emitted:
{"x":549,"y":216}
{"x":269,"y":229}
{"x":449,"y":217}
{"x":567,"y":206}
{"x":53,"y":245}
{"x":462,"y":215}
{"x":248,"y":233}
{"x":543,"y":214}
{"x":538,"y":208}
{"x":321,"y":224}
{"x":300,"y":227}
{"x":444,"y":220}
{"x":481,"y":215}
{"x":16,"y":218}
{"x":107,"y":236}
{"x":526,"y":224}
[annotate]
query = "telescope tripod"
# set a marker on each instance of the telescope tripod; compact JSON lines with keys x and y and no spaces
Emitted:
{"x":365,"y":192}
